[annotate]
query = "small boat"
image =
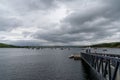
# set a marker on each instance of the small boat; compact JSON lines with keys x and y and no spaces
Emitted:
{"x":104,"y":49}
{"x":95,"y":48}
{"x":83,"y":49}
{"x":62,"y":49}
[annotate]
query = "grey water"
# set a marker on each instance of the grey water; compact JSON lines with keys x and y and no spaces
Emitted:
{"x":42,"y":64}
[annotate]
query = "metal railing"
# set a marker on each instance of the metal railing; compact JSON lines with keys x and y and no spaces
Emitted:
{"x":105,"y":64}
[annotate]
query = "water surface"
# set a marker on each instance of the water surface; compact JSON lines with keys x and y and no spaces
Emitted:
{"x":45,"y":64}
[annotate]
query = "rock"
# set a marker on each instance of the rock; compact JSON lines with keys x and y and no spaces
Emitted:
{"x":75,"y":57}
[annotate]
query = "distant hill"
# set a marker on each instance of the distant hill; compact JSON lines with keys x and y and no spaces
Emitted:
{"x":110,"y":45}
{"x":2,"y":45}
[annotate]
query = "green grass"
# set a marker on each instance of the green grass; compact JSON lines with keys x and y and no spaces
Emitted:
{"x":110,"y":45}
{"x":2,"y":45}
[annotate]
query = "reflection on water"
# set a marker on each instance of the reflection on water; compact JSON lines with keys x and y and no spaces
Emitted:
{"x":43,"y":64}
{"x":106,"y":50}
{"x":90,"y":73}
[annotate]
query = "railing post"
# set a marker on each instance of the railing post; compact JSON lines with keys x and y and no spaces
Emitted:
{"x":99,"y":65}
{"x":105,"y":71}
{"x":115,"y":72}
{"x":109,"y":69}
{"x":103,"y":64}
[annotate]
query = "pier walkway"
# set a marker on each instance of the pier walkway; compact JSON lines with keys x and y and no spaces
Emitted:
{"x":106,"y":65}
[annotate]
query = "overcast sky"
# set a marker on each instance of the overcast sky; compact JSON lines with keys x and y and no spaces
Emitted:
{"x":59,"y":22}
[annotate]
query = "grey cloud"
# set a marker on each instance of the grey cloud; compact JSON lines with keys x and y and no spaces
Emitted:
{"x":79,"y":22}
{"x":22,"y":42}
{"x":9,"y":23}
{"x":12,"y":9}
{"x":31,"y":5}
{"x":93,"y":24}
